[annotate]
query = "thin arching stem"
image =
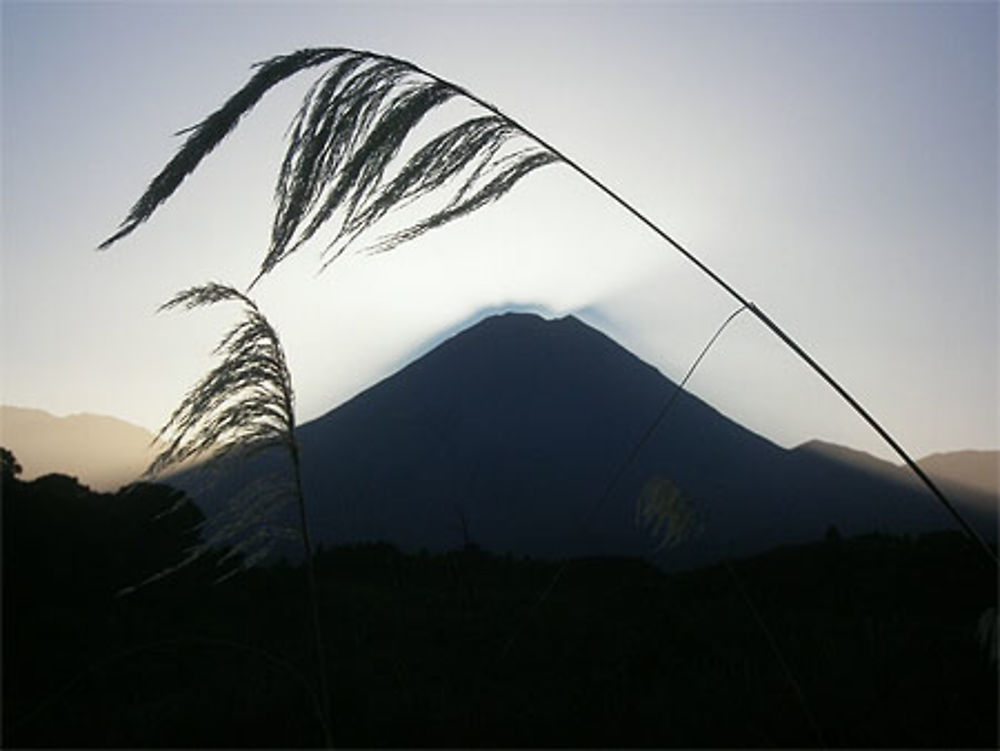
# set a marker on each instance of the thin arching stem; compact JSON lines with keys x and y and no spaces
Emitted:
{"x":776,"y":650}
{"x":735,"y":294}
{"x":619,"y":472}
{"x":206,"y":136}
{"x":293,"y":450}
{"x":324,"y":687}
{"x":252,"y":390}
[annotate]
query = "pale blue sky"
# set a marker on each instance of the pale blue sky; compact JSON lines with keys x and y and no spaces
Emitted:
{"x":835,"y":162}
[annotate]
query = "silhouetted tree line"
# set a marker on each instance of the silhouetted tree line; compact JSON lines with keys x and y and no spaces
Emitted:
{"x":867,"y":641}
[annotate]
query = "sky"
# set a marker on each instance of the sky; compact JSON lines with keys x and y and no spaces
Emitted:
{"x":835,"y":162}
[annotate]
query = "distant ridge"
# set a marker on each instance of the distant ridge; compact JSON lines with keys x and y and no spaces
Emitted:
{"x":102,"y":452}
{"x":849,"y":456}
{"x":969,"y":476}
{"x":978,"y":470}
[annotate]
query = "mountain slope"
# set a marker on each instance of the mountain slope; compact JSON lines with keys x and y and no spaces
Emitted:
{"x":103,"y":452}
{"x":977,"y":470}
{"x":507,"y":434}
{"x":968,"y":477}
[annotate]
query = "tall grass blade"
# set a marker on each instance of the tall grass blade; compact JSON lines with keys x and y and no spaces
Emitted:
{"x":243,"y":406}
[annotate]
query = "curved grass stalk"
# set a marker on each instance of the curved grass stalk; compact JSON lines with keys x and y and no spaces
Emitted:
{"x":351,"y":127}
{"x":245,"y":405}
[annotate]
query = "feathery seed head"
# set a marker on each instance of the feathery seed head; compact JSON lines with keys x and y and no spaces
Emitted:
{"x":667,"y":514}
{"x":243,"y":407}
{"x":347,"y":133}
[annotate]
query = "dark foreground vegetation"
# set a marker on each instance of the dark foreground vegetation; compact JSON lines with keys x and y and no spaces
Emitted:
{"x":870,"y":641}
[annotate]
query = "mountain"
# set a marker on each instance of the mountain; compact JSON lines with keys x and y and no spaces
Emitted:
{"x":976,"y":470}
{"x":853,"y":457}
{"x":103,"y":452}
{"x":972,"y":477}
{"x":507,"y":433}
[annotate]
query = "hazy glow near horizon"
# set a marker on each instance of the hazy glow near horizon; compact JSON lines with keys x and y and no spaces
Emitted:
{"x":835,"y":162}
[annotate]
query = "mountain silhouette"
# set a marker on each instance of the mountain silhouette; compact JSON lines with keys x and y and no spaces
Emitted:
{"x":976,"y":470}
{"x":507,"y":434}
{"x":103,"y":452}
{"x":971,"y":477}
